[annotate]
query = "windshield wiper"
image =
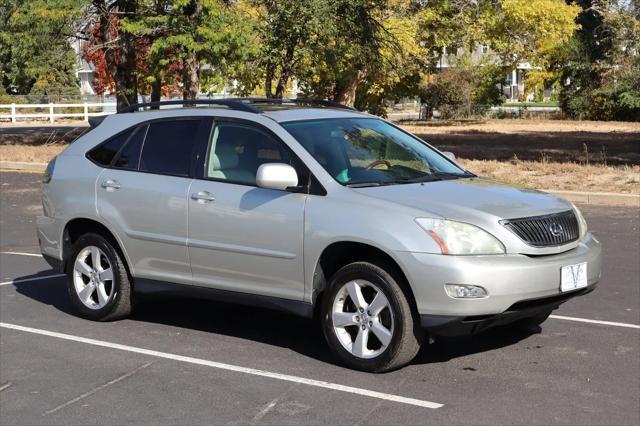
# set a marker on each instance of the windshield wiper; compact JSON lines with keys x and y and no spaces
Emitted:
{"x":427,"y":178}
{"x":431,"y":177}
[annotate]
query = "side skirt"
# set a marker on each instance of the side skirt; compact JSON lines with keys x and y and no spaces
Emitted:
{"x":299,"y":308}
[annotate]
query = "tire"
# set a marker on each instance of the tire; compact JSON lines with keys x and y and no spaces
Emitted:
{"x":95,"y":293}
{"x":344,"y":324}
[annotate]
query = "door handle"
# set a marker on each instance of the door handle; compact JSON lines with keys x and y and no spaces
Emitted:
{"x":110,"y":184}
{"x":203,"y":197}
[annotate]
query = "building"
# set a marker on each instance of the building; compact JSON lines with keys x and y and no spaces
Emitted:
{"x":514,"y":87}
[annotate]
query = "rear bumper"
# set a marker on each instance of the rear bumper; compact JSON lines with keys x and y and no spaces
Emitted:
{"x":508,"y":279}
{"x":456,"y":326}
{"x":49,"y":232}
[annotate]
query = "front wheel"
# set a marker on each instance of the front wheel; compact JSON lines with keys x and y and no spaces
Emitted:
{"x":367,"y":319}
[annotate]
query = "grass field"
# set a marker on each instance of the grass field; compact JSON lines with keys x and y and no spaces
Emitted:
{"x":557,"y":155}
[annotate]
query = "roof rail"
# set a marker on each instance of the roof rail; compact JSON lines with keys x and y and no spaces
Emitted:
{"x":238,"y":104}
{"x":298,"y":101}
{"x":233,"y":103}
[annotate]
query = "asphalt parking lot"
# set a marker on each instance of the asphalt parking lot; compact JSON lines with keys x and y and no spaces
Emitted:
{"x":183,"y":361}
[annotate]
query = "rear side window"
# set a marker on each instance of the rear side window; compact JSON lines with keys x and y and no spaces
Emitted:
{"x":130,"y":155}
{"x":168,"y":147}
{"x":105,"y":153}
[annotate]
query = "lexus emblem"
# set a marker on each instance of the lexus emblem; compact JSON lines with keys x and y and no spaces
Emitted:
{"x":555,"y":229}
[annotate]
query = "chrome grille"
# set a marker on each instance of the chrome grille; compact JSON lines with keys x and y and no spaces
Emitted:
{"x":545,"y":231}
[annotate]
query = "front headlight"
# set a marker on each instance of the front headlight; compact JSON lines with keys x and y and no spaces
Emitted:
{"x":460,"y":238}
{"x":582,"y":223}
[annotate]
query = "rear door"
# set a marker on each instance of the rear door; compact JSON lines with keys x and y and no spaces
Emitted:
{"x":143,"y":195}
{"x":241,"y":237}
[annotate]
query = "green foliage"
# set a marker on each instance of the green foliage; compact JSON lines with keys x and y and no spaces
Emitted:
{"x":35,"y":55}
{"x":465,"y":85}
{"x":601,"y":64}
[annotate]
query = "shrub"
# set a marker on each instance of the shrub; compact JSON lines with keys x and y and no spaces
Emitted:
{"x":464,"y":90}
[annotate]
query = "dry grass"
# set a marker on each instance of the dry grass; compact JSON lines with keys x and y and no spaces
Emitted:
{"x":559,"y":176}
{"x":523,"y":126}
{"x":30,"y":153}
{"x":588,"y":142}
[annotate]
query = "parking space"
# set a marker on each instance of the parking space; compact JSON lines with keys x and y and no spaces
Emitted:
{"x":193,"y":362}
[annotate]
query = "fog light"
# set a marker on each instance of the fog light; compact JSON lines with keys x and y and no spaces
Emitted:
{"x":463,"y":291}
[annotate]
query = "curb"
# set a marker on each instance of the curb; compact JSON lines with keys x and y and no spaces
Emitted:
{"x":23,"y":166}
{"x":598,"y":198}
{"x":594,"y":198}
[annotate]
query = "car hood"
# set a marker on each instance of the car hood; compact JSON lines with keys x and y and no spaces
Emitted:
{"x":470,"y":200}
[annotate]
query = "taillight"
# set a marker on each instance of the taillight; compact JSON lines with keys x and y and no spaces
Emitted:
{"x":48,"y":173}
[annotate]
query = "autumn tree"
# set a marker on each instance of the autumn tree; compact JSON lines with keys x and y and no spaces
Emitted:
{"x":198,"y":37}
{"x":118,"y":45}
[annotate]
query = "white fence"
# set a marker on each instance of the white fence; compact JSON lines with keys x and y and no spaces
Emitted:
{"x":52,"y":111}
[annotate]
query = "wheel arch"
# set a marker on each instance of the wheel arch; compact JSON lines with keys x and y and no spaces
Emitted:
{"x":79,"y":226}
{"x":341,"y":253}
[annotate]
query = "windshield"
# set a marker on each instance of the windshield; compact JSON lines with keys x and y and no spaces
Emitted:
{"x":368,"y":151}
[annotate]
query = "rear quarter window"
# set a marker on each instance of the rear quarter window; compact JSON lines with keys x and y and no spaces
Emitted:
{"x":129,"y":156}
{"x":104,"y":153}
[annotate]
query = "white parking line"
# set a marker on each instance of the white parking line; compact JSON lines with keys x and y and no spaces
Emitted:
{"x":17,"y":253}
{"x":31,"y":279}
{"x":229,"y":367}
{"x":590,"y":321}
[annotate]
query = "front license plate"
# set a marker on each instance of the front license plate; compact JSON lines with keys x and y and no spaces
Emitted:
{"x":573,"y":277}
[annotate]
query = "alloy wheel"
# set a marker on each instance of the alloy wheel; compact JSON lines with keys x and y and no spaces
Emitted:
{"x":362,"y":319}
{"x":93,"y":278}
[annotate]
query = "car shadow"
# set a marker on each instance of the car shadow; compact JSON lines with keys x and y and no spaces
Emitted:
{"x":298,"y":334}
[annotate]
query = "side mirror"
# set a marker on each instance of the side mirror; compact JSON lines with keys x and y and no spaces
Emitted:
{"x":276,"y":176}
{"x":450,"y":155}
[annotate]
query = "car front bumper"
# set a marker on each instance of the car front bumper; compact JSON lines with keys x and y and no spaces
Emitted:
{"x":509,"y":280}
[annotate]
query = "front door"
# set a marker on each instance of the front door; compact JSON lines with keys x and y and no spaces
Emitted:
{"x":244,"y":238}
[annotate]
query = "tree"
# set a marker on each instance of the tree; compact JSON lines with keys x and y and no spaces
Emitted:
{"x":601,"y":64}
{"x":35,"y":54}
{"x":117,"y":46}
{"x":286,"y":32}
{"x":528,"y":30}
{"x":198,"y":37}
{"x":369,"y":49}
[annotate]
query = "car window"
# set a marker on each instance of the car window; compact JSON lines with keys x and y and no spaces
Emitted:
{"x":168,"y":147}
{"x":366,"y":150}
{"x":236,"y":151}
{"x":104,"y":153}
{"x":129,"y":155}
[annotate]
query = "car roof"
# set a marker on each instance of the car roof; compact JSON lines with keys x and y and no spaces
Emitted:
{"x":279,"y":110}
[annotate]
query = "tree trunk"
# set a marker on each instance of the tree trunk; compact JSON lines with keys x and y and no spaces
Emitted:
{"x":156,"y":88}
{"x":121,"y":58}
{"x":285,"y":74}
{"x":191,"y":77}
{"x":191,"y":65}
{"x":347,"y":94}
{"x":268,"y":79}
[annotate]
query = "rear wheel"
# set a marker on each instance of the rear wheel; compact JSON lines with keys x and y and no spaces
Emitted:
{"x":98,"y":282}
{"x":367,"y":319}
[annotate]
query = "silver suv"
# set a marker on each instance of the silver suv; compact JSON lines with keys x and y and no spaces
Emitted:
{"x":313,"y":208}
